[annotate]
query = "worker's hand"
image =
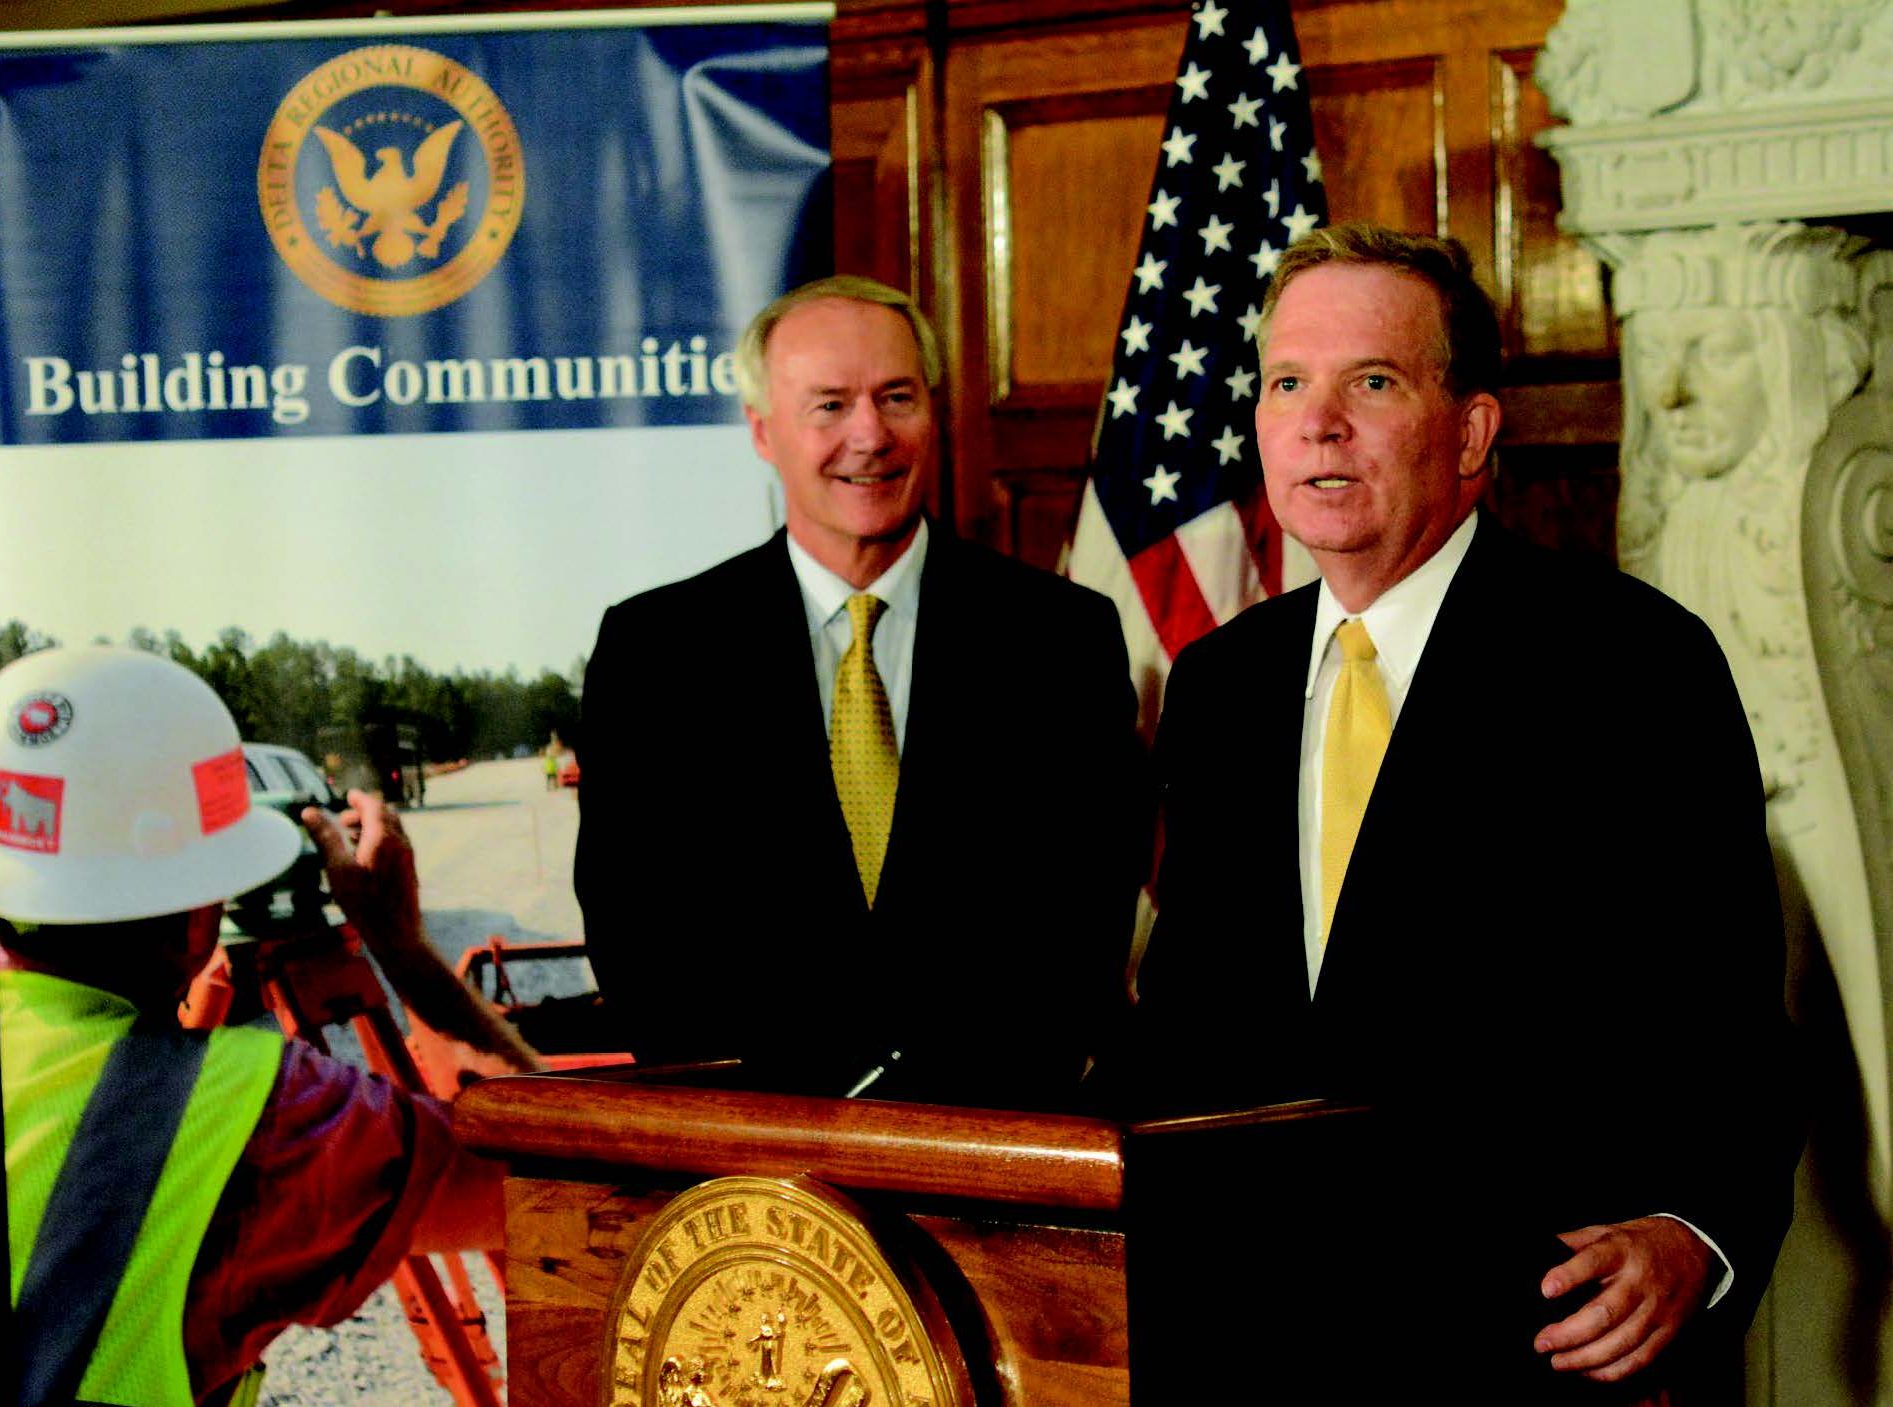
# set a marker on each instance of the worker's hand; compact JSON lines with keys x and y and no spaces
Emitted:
{"x":1653,"y":1273}
{"x":372,"y":880}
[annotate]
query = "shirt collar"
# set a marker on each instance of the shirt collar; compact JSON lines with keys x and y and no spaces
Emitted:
{"x":825,"y":595}
{"x":1401,"y":617}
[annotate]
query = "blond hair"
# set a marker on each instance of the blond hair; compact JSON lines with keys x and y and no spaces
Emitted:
{"x":752,"y":348}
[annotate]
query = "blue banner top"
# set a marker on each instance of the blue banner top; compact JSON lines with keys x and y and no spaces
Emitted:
{"x":440,"y":231}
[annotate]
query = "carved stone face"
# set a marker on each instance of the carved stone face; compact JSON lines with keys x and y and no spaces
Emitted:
{"x":1701,"y":387}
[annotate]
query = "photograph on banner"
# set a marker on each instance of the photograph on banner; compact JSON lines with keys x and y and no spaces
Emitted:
{"x":360,"y":367}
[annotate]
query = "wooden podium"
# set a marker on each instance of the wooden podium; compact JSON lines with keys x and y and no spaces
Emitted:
{"x":1004,"y":1229}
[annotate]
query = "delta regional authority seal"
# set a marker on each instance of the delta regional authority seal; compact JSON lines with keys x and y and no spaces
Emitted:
{"x":758,"y":1292}
{"x":391,"y":180}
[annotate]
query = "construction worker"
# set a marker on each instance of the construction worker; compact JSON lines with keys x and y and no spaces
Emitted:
{"x":174,"y":1199}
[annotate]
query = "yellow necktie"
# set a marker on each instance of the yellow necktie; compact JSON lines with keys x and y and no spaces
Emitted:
{"x":1360,"y":721}
{"x":861,"y":746}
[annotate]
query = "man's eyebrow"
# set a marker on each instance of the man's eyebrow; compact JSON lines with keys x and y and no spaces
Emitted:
{"x":1290,"y":367}
{"x":891,"y":383}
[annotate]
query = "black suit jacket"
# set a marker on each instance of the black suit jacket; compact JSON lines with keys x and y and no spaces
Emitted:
{"x":722,"y":908}
{"x":1555,"y":965}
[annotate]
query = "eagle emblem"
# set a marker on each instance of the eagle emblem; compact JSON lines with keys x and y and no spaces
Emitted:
{"x":373,"y":221}
{"x":387,"y":205}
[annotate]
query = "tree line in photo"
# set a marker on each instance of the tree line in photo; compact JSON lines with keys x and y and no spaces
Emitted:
{"x":300,"y":694}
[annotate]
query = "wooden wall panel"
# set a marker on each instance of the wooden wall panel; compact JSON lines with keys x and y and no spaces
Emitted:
{"x":1050,"y":142}
{"x":1382,"y":142}
{"x":1552,"y":290}
{"x":880,"y":228}
{"x":1050,"y":167}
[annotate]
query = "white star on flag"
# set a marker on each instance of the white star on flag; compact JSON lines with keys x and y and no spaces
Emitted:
{"x":1265,"y":259}
{"x":1244,"y":109}
{"x":1209,"y":19}
{"x":1202,"y":296}
{"x":1241,"y":384}
{"x":1276,"y":131}
{"x":1162,"y":485}
{"x":1189,"y":360}
{"x":1283,"y":72}
{"x":1150,"y":273}
{"x":1175,"y":422}
{"x":1258,"y":46}
{"x":1228,"y":446}
{"x":1136,"y":335}
{"x":1176,"y":147}
{"x":1250,"y":322}
{"x":1299,"y":223}
{"x":1228,"y":172}
{"x":1194,"y":83}
{"x":1215,"y":235}
{"x":1163,"y":210}
{"x":1273,"y":197}
{"x":1123,"y":398}
{"x":1311,"y":163}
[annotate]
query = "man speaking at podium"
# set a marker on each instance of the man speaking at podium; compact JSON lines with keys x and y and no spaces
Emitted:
{"x":861,"y":805}
{"x":1470,"y":833}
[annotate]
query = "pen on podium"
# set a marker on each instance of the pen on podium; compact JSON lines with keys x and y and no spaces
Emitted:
{"x":872,"y":1075}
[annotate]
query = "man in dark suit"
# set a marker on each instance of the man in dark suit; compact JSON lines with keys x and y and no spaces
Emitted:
{"x":1473,"y":834}
{"x":815,"y":857}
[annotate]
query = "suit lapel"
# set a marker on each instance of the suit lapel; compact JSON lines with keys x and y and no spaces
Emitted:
{"x":940,"y":658}
{"x":1442,"y":704}
{"x":1277,"y":796}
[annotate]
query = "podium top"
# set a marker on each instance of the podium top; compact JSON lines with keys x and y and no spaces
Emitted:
{"x":1044,"y":1160}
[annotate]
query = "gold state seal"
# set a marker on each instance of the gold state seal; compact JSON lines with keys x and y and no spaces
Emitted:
{"x":395,"y":232}
{"x":754,"y":1292}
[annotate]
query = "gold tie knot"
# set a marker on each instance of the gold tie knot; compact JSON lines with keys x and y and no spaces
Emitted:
{"x":1357,"y":646}
{"x":864,"y":613}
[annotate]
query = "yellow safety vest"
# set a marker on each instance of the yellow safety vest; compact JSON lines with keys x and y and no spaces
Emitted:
{"x":54,"y":1039}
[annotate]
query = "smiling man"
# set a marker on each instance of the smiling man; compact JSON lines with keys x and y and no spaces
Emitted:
{"x":1490,"y":860}
{"x":861,"y":805}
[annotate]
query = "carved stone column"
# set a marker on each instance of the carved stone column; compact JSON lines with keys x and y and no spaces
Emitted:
{"x":1707,"y":139}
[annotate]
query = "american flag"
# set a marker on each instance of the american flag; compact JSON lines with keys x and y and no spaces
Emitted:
{"x":1173,"y":526}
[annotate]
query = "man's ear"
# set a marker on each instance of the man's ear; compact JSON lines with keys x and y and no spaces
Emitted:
{"x":1479,"y":427}
{"x":759,"y":435}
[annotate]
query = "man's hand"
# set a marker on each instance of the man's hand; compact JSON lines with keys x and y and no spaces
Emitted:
{"x":373,"y":881}
{"x":1654,"y":1274}
{"x":375,"y":884}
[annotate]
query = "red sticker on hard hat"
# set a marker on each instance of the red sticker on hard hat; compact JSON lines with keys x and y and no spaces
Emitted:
{"x":223,"y":791}
{"x":29,"y":811}
{"x":39,"y":719}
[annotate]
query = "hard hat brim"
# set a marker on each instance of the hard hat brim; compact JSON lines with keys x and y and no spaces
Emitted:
{"x":71,"y":889}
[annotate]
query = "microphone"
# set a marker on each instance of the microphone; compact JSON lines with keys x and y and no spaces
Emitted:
{"x":872,"y":1075}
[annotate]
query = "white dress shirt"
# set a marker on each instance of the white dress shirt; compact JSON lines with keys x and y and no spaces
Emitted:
{"x":1399,"y":622}
{"x":825,"y":601}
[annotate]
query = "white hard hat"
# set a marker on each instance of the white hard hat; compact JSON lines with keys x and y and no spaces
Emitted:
{"x":123,"y":793}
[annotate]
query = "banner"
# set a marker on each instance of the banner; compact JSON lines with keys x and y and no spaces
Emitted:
{"x":550,"y":229}
{"x":412,"y":338}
